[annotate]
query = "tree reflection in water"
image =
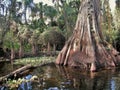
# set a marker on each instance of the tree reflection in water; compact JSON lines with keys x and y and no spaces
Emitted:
{"x":89,"y":80}
{"x":52,"y":77}
{"x":65,"y":78}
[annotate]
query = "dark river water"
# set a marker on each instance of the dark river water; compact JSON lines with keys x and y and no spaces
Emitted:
{"x":53,"y":77}
{"x":63,"y":78}
{"x":7,"y":67}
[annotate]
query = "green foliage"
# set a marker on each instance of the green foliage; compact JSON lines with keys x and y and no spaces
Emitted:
{"x":50,"y":12}
{"x":109,"y":24}
{"x":3,"y":28}
{"x":52,"y":36}
{"x":67,"y":16}
{"x":117,"y":15}
{"x":34,"y":37}
{"x":112,"y":35}
{"x":38,"y":24}
{"x":27,"y":2}
{"x":10,"y":41}
{"x":117,"y":41}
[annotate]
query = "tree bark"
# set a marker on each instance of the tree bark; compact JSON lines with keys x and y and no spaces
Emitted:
{"x":12,"y":54}
{"x":21,"y":52}
{"x":48,"y":47}
{"x":34,"y":49}
{"x":86,"y":48}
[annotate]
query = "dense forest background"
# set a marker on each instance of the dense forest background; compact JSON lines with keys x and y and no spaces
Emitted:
{"x":28,"y":28}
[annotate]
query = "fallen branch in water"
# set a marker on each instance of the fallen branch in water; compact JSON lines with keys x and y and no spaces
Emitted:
{"x":16,"y":72}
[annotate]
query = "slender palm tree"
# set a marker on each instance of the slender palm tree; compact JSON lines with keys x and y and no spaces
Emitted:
{"x":21,"y":35}
{"x":33,"y":41}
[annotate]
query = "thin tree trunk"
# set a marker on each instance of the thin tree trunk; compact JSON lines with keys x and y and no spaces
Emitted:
{"x":25,"y":15}
{"x":34,"y":49}
{"x":21,"y":50}
{"x":54,"y":49}
{"x":12,"y":54}
{"x":48,"y":47}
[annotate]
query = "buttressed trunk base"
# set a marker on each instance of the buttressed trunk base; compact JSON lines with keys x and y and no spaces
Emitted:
{"x":86,"y":48}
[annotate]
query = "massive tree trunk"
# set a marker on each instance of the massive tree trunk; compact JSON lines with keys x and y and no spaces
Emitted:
{"x":86,"y":48}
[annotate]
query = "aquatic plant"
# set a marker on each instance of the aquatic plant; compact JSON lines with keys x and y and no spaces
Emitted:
{"x":20,"y":83}
{"x":35,"y":61}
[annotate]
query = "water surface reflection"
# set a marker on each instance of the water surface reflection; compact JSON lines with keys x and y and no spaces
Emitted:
{"x":54,"y":77}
